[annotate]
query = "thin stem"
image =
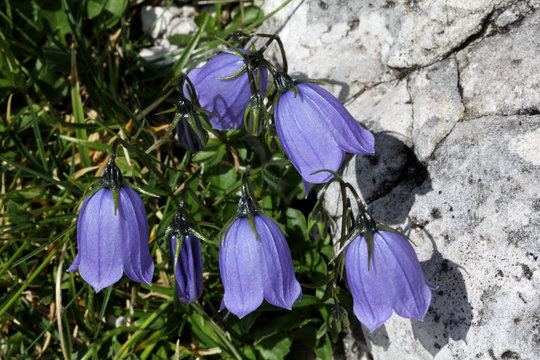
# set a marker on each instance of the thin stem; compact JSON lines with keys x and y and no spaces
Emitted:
{"x":274,"y":37}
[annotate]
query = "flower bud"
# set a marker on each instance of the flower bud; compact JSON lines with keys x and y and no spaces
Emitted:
{"x":191,"y":134}
{"x":254,"y":117}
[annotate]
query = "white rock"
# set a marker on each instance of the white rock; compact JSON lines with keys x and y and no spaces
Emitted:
{"x":431,"y":29}
{"x":437,"y":105}
{"x":162,"y":22}
{"x":481,"y":219}
{"x":386,"y":107}
{"x":353,"y":34}
{"x":501,"y":74}
{"x":472,"y":203}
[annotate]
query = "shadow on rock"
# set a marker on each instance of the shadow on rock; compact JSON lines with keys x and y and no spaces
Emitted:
{"x":391,"y":178}
{"x":450,"y":314}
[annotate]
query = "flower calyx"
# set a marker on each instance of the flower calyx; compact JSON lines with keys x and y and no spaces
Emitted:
{"x":247,"y":207}
{"x":180,"y":226}
{"x":284,"y":82}
{"x":112,"y":176}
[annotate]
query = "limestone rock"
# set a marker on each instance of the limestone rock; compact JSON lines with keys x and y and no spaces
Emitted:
{"x":386,"y":107}
{"x":431,"y":29}
{"x":161,"y":23}
{"x":477,"y":233}
{"x":501,"y":74}
{"x":353,"y":34}
{"x":437,"y":105}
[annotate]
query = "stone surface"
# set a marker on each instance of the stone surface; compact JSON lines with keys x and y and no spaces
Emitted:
{"x":353,"y":34}
{"x":452,"y":95}
{"x":162,"y":22}
{"x":501,"y":74}
{"x":476,"y":227}
{"x":451,"y":91}
{"x":437,"y":105}
{"x":429,"y":30}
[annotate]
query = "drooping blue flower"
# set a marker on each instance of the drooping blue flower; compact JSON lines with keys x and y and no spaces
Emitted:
{"x":188,"y":275}
{"x":227,"y":98}
{"x":394,"y":281}
{"x":191,"y":134}
{"x":255,"y":263}
{"x":256,"y":268}
{"x":112,"y":242}
{"x":314,"y":129}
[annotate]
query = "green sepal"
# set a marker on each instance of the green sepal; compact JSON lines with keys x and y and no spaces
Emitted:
{"x":197,"y":127}
{"x":115,"y":194}
{"x":225,"y":230}
{"x":251,"y":221}
{"x":235,"y":75}
{"x":255,"y":115}
{"x":330,"y":171}
{"x":176,"y":254}
{"x":145,"y":192}
{"x":382,"y":226}
{"x":201,"y":236}
{"x":91,"y":189}
{"x":295,"y":89}
{"x":314,"y":81}
{"x":369,"y":241}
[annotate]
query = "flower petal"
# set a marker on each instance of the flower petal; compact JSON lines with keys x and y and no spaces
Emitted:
{"x":413,"y":292}
{"x":372,"y":293}
{"x":100,"y":246}
{"x":80,"y":235}
{"x":137,"y":261}
{"x":228,"y":98}
{"x":299,"y":128}
{"x":240,"y":268}
{"x":344,"y":129}
{"x":188,"y":274}
{"x":279,"y":281}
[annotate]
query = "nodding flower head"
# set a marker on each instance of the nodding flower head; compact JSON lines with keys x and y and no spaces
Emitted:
{"x":191,"y":134}
{"x":314,"y":129}
{"x":112,"y":234}
{"x":188,"y":275}
{"x":386,"y":278}
{"x":255,"y":262}
{"x":223,"y":88}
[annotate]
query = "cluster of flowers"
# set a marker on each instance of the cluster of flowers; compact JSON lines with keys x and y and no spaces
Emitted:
{"x":314,"y":129}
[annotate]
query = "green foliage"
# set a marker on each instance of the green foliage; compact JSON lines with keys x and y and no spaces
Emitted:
{"x":71,"y":81}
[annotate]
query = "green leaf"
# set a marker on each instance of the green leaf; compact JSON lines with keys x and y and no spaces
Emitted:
{"x":297,"y":222}
{"x":275,"y":347}
{"x":180,"y":40}
{"x":186,"y":54}
{"x":94,"y":8}
{"x":252,"y":14}
{"x":324,"y":348}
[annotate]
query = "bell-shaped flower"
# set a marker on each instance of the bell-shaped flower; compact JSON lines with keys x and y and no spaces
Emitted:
{"x":255,"y":262}
{"x":188,"y":275}
{"x":112,"y":235}
{"x":189,"y":129}
{"x":223,"y":88}
{"x":314,"y":129}
{"x":258,"y":266}
{"x":393,"y":281}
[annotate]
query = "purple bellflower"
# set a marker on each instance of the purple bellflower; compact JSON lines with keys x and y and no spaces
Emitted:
{"x":393,"y":280}
{"x":112,"y":234}
{"x":189,"y":129}
{"x":188,"y":263}
{"x":255,"y":262}
{"x":223,"y":88}
{"x":314,"y":129}
{"x":191,"y":134}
